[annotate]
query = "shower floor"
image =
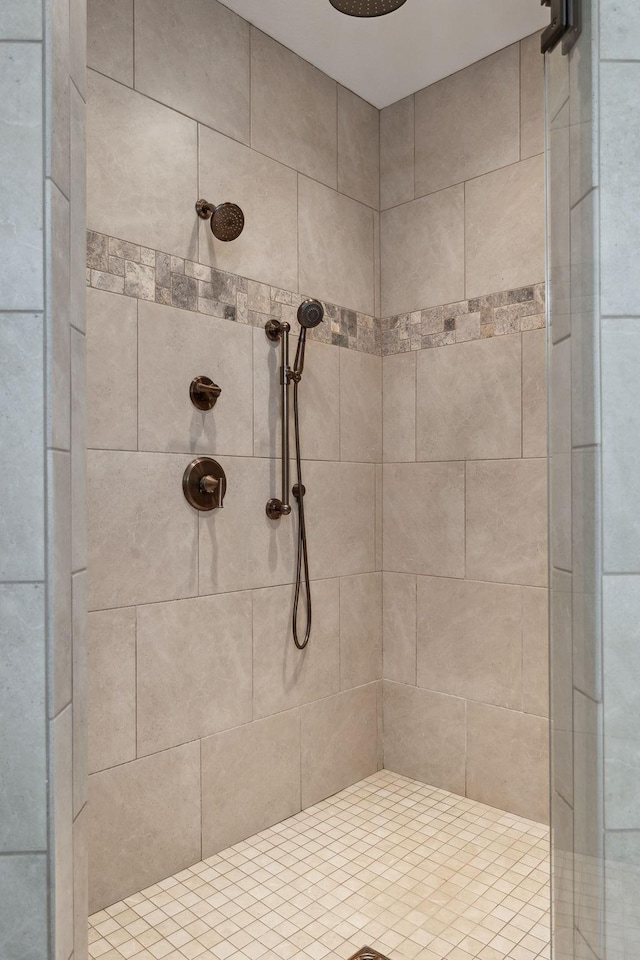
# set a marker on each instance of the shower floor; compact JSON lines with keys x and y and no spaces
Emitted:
{"x":389,"y":863}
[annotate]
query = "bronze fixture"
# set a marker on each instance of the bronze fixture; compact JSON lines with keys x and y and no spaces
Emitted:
{"x":367,"y":8}
{"x":204,"y":484}
{"x":204,"y":393}
{"x":279,"y":330}
{"x":226,"y":219}
{"x":367,"y":954}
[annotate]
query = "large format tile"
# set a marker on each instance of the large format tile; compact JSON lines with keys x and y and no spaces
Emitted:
{"x":110,"y":38}
{"x":57,"y":90}
{"x":534,"y":394}
{"x":358,"y":148}
{"x":620,"y":345}
{"x":80,"y":682}
{"x":506,"y":521}
{"x":507,"y":760}
{"x":343,"y":537}
{"x":283,"y":676}
{"x":504,"y":228}
{"x":174,"y":347}
{"x":23,"y":906}
{"x":240,"y":547}
{"x":194,"y":674}
{"x":619,"y":31}
{"x":535,"y":651}
{"x":195,"y":58}
{"x":399,"y":407}
{"x":142,"y":169}
{"x":336,"y":247}
{"x":360,"y":630}
{"x":250,"y":780}
{"x":468,"y":123}
{"x":399,"y":627}
{"x":293,"y":110}
{"x":339,"y":742}
{"x":531,"y":97}
{"x":21,"y":173}
{"x":23,"y":760}
{"x":112,"y":371}
{"x":266,"y":191}
{"x":79,"y":404}
{"x":424,"y":736}
{"x":61,"y":851}
{"x":422,"y":252}
{"x":80,"y":885}
{"x":21,"y":441}
{"x":21,"y":20}
{"x":58,"y":300}
{"x":111,"y":697}
{"x":469,"y":400}
{"x":397,"y":153}
{"x":78,"y":208}
{"x":424,"y":518}
{"x":360,"y":407}
{"x":137,"y":508}
{"x":144,"y":823}
{"x":470,"y":640}
{"x":59,"y":577}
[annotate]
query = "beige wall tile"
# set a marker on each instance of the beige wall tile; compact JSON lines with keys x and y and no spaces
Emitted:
{"x":139,"y":151}
{"x":80,"y":691}
{"x":360,"y":406}
{"x":23,"y":753}
{"x":343,"y":538}
{"x":111,"y":721}
{"x":80,"y":885}
{"x":293,"y":110}
{"x":339,"y":742}
{"x":397,"y":153}
{"x":194,"y":674}
{"x":468,"y":402}
{"x":360,"y":630}
{"x":57,"y":92}
{"x":112,"y":371}
{"x":422,"y":252}
{"x":377,"y":292}
{"x":62,"y":831}
{"x":506,"y":521}
{"x":358,"y":148}
{"x":57,"y":217}
{"x":319,"y":399}
{"x":531,"y":97}
{"x":534,"y":394}
{"x":78,"y":206}
{"x":128,"y":557}
{"x":78,"y":451}
{"x":399,"y":407}
{"x":250,"y":780}
{"x":424,"y":736}
{"x":535,"y":651}
{"x":424,"y":518}
{"x":507,"y":760}
{"x":267,"y":192}
{"x":378,"y":545}
{"x":195,"y":58}
{"x":110,"y":38}
{"x":470,"y":640}
{"x":240,"y":547}
{"x":468,"y":123}
{"x":59,"y":560}
{"x":504,"y":228}
{"x":144,"y":823}
{"x":174,"y":347}
{"x":21,"y":441}
{"x":284,"y":676}
{"x":399,"y":627}
{"x":336,"y":247}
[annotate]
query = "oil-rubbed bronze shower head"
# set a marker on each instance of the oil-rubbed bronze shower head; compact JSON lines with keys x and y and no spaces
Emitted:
{"x":367,"y":8}
{"x":227,"y":219}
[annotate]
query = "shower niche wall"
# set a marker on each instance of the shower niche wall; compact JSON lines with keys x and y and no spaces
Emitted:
{"x":206,"y":725}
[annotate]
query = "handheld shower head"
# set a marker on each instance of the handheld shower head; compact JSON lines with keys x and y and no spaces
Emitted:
{"x":310,"y":314}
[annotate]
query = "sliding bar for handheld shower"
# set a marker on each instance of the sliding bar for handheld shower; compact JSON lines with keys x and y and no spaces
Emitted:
{"x":277,"y":330}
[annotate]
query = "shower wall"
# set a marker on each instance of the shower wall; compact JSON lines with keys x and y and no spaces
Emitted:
{"x":465,"y":528}
{"x":205,"y":724}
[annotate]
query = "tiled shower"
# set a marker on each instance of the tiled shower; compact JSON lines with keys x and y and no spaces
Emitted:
{"x":203,"y":788}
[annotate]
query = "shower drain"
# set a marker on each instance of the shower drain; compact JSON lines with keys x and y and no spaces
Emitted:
{"x":367,"y":954}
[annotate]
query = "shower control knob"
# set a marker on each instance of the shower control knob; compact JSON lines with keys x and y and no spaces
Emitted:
{"x":204,"y":484}
{"x":204,"y":393}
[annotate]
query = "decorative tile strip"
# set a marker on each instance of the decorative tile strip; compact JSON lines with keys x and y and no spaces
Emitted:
{"x":145,"y":274}
{"x":494,"y":315}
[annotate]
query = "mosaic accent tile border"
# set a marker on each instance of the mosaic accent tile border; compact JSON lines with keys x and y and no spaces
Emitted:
{"x":494,"y":315}
{"x":132,"y":270}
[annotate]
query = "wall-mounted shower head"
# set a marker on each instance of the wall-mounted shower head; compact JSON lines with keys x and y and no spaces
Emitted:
{"x":227,"y":219}
{"x":310,"y":314}
{"x":367,"y":8}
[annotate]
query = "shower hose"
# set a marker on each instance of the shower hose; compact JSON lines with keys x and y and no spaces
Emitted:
{"x":302,"y":555}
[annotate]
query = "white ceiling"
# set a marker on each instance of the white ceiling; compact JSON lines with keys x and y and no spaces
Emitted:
{"x":386,"y":58}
